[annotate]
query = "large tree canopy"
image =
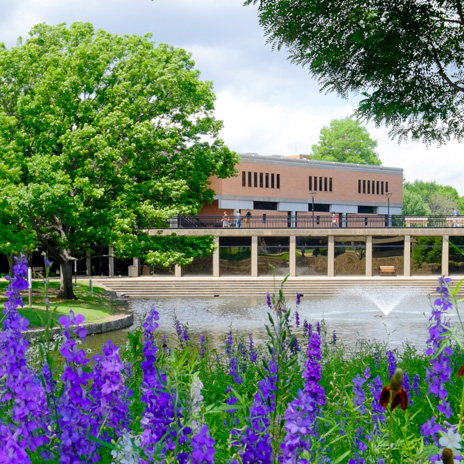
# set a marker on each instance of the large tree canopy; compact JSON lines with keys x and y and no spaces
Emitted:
{"x":404,"y":56}
{"x":424,"y":198}
{"x":345,"y":141}
{"x":107,"y":136}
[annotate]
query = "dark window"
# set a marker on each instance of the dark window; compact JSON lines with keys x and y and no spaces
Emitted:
{"x":267,"y":180}
{"x":366,"y":209}
{"x":255,"y":179}
{"x":261,"y":180}
{"x":272,"y":181}
{"x":381,"y":188}
{"x":315,"y":183}
{"x":249,"y":179}
{"x":278,"y":180}
{"x":386,"y":187}
{"x":243,"y":179}
{"x":270,"y":205}
{"x":368,"y":186}
{"x":319,"y":207}
{"x":330,"y":184}
{"x":364,"y":186}
{"x":378,"y":187}
{"x":320,"y":184}
{"x":359,"y":185}
{"x":310,"y":186}
{"x":325,"y":184}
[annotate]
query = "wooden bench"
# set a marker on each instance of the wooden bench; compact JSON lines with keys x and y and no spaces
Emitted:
{"x":36,"y":271}
{"x":387,"y":270}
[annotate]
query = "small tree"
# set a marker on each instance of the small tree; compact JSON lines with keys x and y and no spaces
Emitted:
{"x":108,"y":136}
{"x":345,"y":141}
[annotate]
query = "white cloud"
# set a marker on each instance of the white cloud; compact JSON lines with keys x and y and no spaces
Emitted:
{"x":255,"y":126}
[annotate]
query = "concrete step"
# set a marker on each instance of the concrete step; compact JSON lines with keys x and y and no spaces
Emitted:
{"x":148,"y":287}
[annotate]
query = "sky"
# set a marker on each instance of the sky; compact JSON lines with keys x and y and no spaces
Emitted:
{"x":268,"y":105}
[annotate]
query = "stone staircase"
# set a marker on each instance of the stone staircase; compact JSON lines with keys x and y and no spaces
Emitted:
{"x":152,"y":287}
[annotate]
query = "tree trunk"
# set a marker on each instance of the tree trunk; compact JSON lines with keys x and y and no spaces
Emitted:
{"x":66,"y":285}
{"x":10,"y":264}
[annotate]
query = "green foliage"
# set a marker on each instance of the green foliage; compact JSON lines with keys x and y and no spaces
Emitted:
{"x":429,"y":198}
{"x":404,"y":57}
{"x":107,"y":136}
{"x":345,"y":141}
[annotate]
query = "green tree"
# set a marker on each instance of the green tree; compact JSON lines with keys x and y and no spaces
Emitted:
{"x":109,"y":136}
{"x":403,"y":56}
{"x":430,"y":198}
{"x":345,"y":141}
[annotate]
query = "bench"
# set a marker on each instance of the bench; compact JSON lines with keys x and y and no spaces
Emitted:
{"x":36,"y":271}
{"x":387,"y":270}
{"x":455,"y":221}
{"x":412,"y":221}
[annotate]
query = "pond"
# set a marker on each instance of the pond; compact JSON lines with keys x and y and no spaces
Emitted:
{"x":390,"y":315}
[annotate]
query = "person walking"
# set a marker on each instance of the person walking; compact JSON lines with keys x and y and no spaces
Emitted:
{"x":247,"y":218}
{"x":225,"y":220}
{"x":455,"y":220}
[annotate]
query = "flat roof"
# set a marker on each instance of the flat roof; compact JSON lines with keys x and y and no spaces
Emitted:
{"x":315,"y":164}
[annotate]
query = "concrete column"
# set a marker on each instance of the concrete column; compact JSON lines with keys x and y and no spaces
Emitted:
{"x":331,"y":257}
{"x":136,"y":264}
{"x":407,"y":255}
{"x":292,"y":256}
{"x":111,"y":261}
{"x":177,"y":271}
{"x":216,"y":270}
{"x":254,"y":256}
{"x":445,"y":256}
{"x":369,"y":256}
{"x":88,"y":264}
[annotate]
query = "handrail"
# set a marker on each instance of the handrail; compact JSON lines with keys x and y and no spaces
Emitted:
{"x":318,"y":220}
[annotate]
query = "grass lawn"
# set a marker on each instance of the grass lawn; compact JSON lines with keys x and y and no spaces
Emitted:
{"x":95,"y":307}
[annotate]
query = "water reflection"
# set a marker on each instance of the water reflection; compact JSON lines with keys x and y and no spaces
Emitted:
{"x":392,"y":316}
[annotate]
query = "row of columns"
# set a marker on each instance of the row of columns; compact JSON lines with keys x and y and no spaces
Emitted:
{"x":292,"y":257}
{"x":330,"y":257}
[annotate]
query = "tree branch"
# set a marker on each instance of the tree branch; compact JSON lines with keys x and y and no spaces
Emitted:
{"x":443,"y":74}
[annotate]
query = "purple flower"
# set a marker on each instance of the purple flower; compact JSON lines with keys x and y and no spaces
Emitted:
{"x":256,"y":441}
{"x":22,"y":424}
{"x":268,"y":300}
{"x":298,"y":299}
{"x":202,"y":447}
{"x":160,"y":431}
{"x":202,"y":346}
{"x":75,"y":421}
{"x":359,"y":395}
{"x":299,"y":425}
{"x":375,"y":389}
{"x":439,"y":371}
{"x":233,"y":371}
{"x":313,"y":371}
{"x":297,"y":319}
{"x":110,"y":396}
{"x":229,"y":343}
{"x":391,"y":359}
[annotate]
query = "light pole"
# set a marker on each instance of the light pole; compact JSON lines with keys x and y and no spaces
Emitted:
{"x":388,"y":208}
{"x":313,"y":194}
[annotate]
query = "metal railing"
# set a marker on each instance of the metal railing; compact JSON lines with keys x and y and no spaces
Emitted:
{"x":318,"y":221}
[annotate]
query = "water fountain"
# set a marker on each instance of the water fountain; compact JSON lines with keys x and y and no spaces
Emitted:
{"x":389,"y":315}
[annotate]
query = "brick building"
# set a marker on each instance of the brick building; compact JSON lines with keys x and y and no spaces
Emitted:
{"x":295,"y":186}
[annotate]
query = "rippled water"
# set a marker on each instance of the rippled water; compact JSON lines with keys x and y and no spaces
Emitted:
{"x":387,"y":316}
